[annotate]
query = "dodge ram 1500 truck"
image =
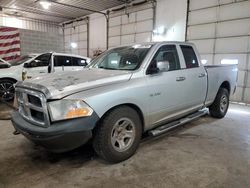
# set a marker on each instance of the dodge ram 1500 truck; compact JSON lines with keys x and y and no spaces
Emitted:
{"x":126,"y":91}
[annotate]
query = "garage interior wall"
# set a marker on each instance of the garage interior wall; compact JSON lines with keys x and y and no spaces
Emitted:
{"x":221,"y":31}
{"x":134,"y":24}
{"x":36,"y":36}
{"x":76,"y":32}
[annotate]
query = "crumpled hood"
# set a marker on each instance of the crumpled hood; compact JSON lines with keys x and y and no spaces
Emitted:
{"x":59,"y":85}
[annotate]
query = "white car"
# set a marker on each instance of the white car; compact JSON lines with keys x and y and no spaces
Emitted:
{"x":30,"y":67}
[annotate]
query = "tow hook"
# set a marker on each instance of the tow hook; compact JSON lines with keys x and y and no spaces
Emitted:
{"x":16,"y":132}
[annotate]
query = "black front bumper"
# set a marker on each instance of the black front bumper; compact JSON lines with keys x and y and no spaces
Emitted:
{"x":60,"y":136}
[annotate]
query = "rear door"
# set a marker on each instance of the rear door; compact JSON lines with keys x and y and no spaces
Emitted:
{"x":195,"y":78}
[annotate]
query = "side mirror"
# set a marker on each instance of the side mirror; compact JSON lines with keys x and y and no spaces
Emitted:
{"x":163,"y":66}
{"x":4,"y":65}
{"x":26,"y":65}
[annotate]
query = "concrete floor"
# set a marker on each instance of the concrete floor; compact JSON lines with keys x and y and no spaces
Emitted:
{"x":205,"y":153}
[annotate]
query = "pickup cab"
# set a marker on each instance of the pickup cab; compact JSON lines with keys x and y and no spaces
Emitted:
{"x":30,"y":66}
{"x":125,"y":92}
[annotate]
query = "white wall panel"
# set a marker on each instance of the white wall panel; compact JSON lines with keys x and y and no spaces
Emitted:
{"x":114,"y":41}
{"x":83,"y":36}
{"x":242,"y":58}
{"x":247,"y":95}
{"x":144,"y":15}
{"x":135,"y":27}
{"x":202,"y":16}
{"x":83,"y":28}
{"x":201,"y":31}
{"x":128,"y":19}
{"x":198,"y":4}
{"x":248,"y":62}
{"x":226,"y":1}
{"x":231,"y":45}
{"x":204,"y":46}
{"x":208,"y":58}
{"x":234,"y":11}
{"x":144,"y":26}
{"x":67,"y":31}
{"x":127,"y":39}
{"x":114,"y":31}
{"x":241,"y":78}
{"x":143,"y":37}
{"x":248,"y":80}
{"x":233,"y":28}
{"x":237,"y":96}
{"x":230,"y":36}
{"x":115,"y":21}
{"x":128,"y":29}
{"x":83,"y":52}
{"x":82,"y":44}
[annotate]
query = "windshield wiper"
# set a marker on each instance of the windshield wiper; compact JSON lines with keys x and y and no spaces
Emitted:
{"x":108,"y":68}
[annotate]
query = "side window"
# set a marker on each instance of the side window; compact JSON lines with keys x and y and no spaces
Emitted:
{"x":167,"y":53}
{"x":189,"y":56}
{"x":41,"y":61}
{"x":78,"y":61}
{"x":62,"y":61}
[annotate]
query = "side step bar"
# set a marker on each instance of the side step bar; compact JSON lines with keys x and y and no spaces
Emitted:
{"x":166,"y":127}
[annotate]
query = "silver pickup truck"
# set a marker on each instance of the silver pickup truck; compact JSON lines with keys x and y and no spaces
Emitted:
{"x":126,"y":91}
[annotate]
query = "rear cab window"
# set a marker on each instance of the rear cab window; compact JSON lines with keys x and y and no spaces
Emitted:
{"x":62,"y":61}
{"x":190,"y":57}
{"x":76,"y":61}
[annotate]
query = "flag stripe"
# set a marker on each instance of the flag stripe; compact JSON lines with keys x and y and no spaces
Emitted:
{"x":9,"y":47}
{"x":10,"y":50}
{"x":9,"y":36}
{"x":9,"y":58}
{"x":9,"y":43}
{"x":8,"y":33}
{"x":7,"y":29}
{"x":10,"y":54}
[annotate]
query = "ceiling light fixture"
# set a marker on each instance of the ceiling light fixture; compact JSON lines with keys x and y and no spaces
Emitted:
{"x":45,"y":4}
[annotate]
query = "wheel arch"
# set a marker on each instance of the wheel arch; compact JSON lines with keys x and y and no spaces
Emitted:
{"x":131,"y":105}
{"x":226,"y":85}
{"x":8,"y":78}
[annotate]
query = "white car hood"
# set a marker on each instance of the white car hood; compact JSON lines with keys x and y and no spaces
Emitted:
{"x":59,"y":85}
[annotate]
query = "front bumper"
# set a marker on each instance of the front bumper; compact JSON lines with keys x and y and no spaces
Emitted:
{"x":60,"y":136}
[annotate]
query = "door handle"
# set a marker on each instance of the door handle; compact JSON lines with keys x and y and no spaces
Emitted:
{"x":178,"y":79}
{"x":201,"y":75}
{"x":42,"y":72}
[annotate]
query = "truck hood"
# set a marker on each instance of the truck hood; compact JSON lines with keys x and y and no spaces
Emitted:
{"x":59,"y":85}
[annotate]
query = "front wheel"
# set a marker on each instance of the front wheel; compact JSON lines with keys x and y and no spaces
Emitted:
{"x":7,"y":90}
{"x":118,"y":135}
{"x":220,"y":105}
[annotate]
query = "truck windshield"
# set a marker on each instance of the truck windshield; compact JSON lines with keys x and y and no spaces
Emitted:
{"x":122,"y":58}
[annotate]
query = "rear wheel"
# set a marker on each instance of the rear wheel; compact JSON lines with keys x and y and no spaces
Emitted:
{"x":118,"y":135}
{"x":7,"y":90}
{"x":220,"y":105}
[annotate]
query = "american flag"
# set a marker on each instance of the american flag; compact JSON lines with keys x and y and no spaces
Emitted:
{"x":9,"y":43}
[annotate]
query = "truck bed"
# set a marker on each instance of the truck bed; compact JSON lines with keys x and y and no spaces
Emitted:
{"x":217,"y":74}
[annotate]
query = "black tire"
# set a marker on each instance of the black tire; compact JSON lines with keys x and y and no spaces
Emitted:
{"x":107,"y":137}
{"x":7,"y":89}
{"x":220,"y":105}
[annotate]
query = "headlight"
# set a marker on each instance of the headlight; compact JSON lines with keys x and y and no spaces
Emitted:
{"x":68,"y":109}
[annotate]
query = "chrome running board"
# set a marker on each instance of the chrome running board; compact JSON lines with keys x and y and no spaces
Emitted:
{"x":166,"y":127}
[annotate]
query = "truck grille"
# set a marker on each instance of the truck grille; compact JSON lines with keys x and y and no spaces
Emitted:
{"x":33,"y":107}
